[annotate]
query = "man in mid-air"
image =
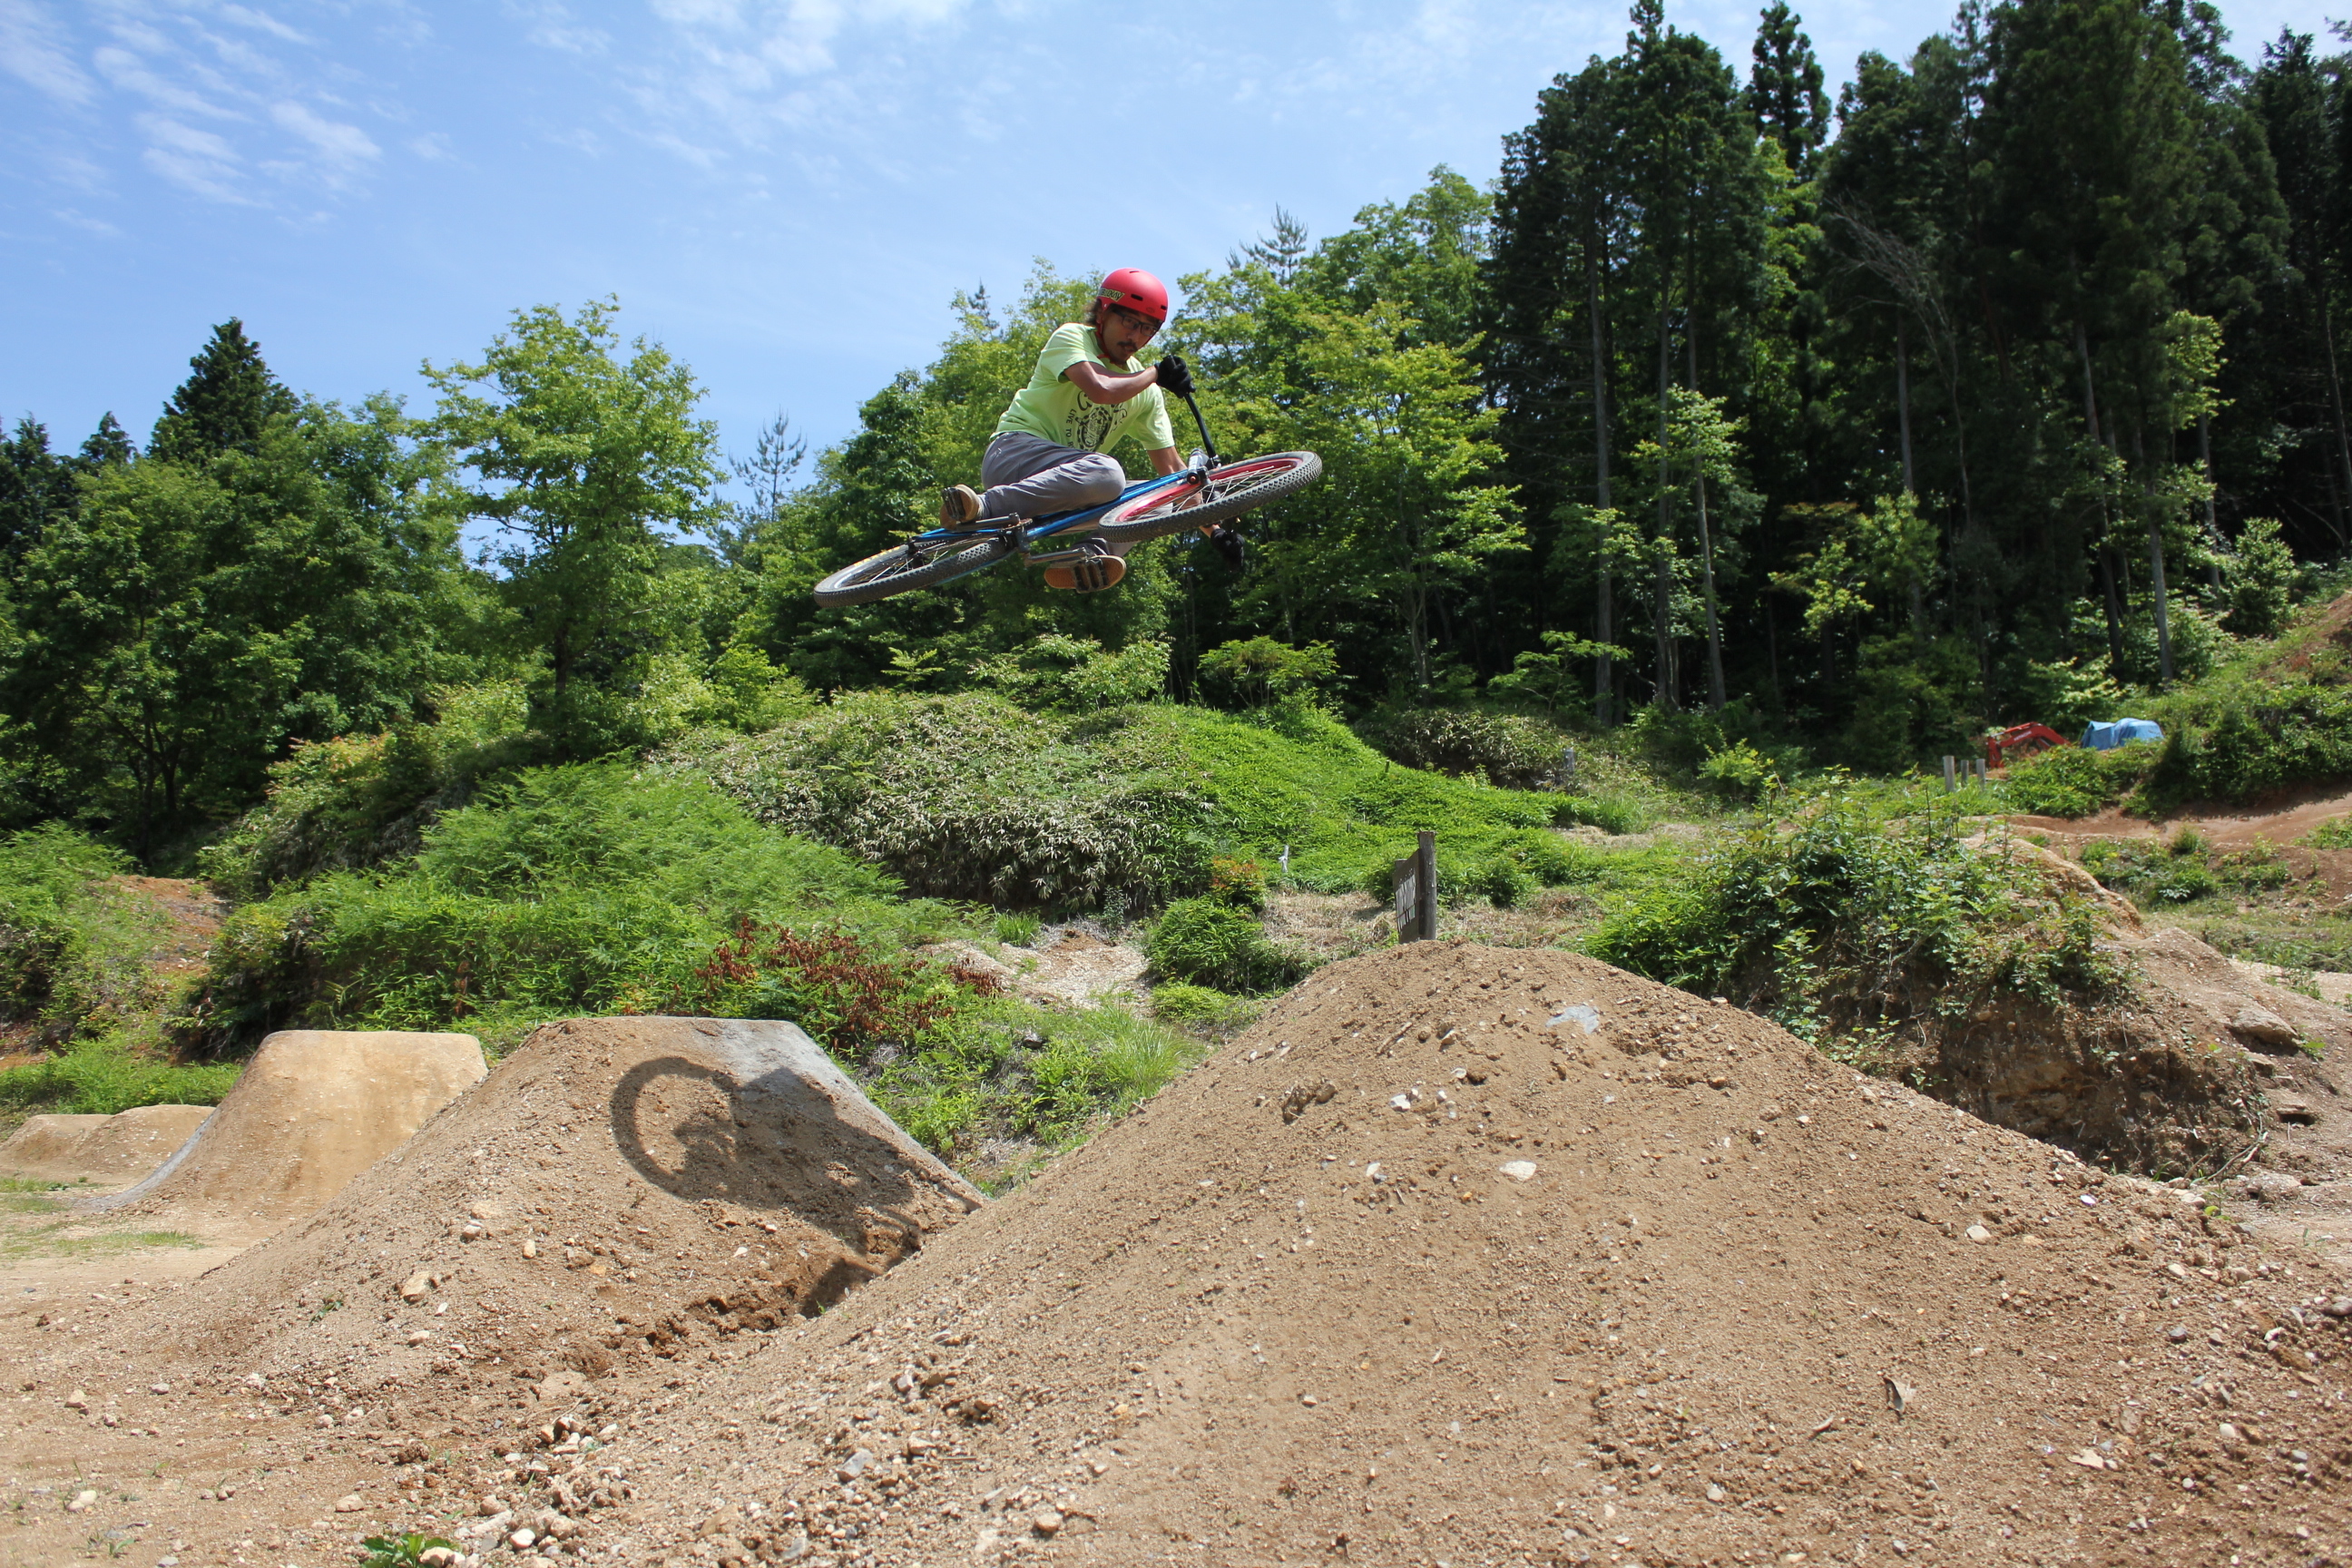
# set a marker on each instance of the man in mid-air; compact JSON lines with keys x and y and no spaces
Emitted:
{"x":1051,"y":450}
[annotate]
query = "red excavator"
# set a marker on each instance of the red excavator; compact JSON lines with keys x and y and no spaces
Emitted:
{"x":2021,"y":740}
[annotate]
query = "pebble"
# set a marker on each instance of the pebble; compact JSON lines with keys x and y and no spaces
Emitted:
{"x":77,"y":1400}
{"x":1518,"y":1170}
{"x":438,"y":1557}
{"x":856,"y":1464}
{"x":159,"y":1388}
{"x":81,"y":1502}
{"x":419,"y":1285}
{"x":2177,"y":1335}
{"x":1714,"y":1493}
{"x":1978,"y":1233}
{"x":1045,"y":1520}
{"x":418,"y":1336}
{"x":350,"y":1502}
{"x":2341,"y":1307}
{"x":522,"y":1538}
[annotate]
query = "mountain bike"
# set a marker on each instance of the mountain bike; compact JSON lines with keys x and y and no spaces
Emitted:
{"x":1206,"y":491}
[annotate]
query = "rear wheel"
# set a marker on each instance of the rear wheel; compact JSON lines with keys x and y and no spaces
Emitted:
{"x":900,"y":570}
{"x":1229,"y":491}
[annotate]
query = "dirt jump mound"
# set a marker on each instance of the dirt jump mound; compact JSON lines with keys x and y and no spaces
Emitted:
{"x":313,"y":1109}
{"x":1503,"y":1257}
{"x":618,"y":1191}
{"x":102,"y":1148}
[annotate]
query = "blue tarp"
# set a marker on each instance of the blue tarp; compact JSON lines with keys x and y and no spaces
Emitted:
{"x":2121,"y":732}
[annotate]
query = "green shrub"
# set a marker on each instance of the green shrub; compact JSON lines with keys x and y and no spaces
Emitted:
{"x":970,"y":797}
{"x":2259,"y":577}
{"x":1555,"y":862}
{"x":1240,"y":883}
{"x":567,"y":890}
{"x":1739,"y":770}
{"x":967,"y":797}
{"x":105,"y":1076}
{"x":1849,"y":920}
{"x":1076,"y":674}
{"x":2336,"y":833}
{"x":360,"y":800}
{"x":840,"y":990}
{"x":1017,"y":930}
{"x":1200,"y":1007}
{"x":1502,"y":881}
{"x":77,"y":942}
{"x":2075,"y":781}
{"x":1510,"y":751}
{"x":1212,"y":943}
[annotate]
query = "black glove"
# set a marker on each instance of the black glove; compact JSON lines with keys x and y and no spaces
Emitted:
{"x":1176,"y":376}
{"x":1228,"y":543}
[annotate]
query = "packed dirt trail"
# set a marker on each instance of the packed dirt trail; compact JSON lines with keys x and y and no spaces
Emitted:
{"x":1459,"y":1255}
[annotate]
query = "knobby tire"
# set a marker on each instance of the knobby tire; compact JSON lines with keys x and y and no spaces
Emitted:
{"x":1231,"y":491}
{"x":896,"y":572}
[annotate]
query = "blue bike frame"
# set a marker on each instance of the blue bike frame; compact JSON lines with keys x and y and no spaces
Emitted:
{"x":1025,"y":535}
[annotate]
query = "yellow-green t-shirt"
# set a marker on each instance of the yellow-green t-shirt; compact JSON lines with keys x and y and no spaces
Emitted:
{"x":1054,"y":408}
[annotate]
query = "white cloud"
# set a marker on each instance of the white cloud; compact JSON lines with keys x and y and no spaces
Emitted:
{"x":96,"y":226}
{"x":130,"y":73}
{"x":246,"y":17}
{"x":32,"y":49}
{"x":341,"y":147}
{"x":552,"y":27}
{"x":752,"y":65}
{"x":196,"y":161}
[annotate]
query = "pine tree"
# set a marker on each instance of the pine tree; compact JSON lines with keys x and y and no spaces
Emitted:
{"x":36,"y":485}
{"x":224,"y":405}
{"x":1784,"y":90}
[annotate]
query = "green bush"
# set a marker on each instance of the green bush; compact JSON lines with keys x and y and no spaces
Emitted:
{"x":360,"y":800}
{"x":1240,"y":883}
{"x":567,"y":890}
{"x":106,"y":1075}
{"x":971,"y":797}
{"x":2075,"y":781}
{"x":1849,"y":920}
{"x":1510,"y":751}
{"x":1200,"y":1007}
{"x":1209,"y":942}
{"x":77,"y":943}
{"x":1502,"y":881}
{"x":967,"y":797}
{"x":1739,"y":770}
{"x":2336,"y":833}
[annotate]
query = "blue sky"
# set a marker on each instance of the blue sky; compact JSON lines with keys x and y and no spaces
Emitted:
{"x":786,"y":192}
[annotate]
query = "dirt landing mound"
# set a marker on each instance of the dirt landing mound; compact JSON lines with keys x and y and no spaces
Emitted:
{"x":44,"y":1144}
{"x":314,"y":1108}
{"x":1506,"y":1257}
{"x":102,"y":1149}
{"x":619,"y":1190}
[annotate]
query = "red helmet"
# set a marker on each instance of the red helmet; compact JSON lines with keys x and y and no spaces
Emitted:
{"x":1133,"y":288}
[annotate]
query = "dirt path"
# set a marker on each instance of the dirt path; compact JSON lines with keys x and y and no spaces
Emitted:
{"x":2223,"y":828}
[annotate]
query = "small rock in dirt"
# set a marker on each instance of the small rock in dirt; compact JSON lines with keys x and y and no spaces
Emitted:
{"x":350,"y":1502}
{"x":2341,"y":1307}
{"x":522,"y":1538}
{"x":77,"y":1400}
{"x":2177,"y":1335}
{"x":1978,"y":1233}
{"x":438,"y":1557}
{"x":856,"y":1464}
{"x":417,"y":1286}
{"x":530,"y":1246}
{"x":418,"y":1336}
{"x":2261,"y":1027}
{"x":1045,"y":1520}
{"x":491,"y":1506}
{"x":1714,"y":1493}
{"x":1518,"y":1170}
{"x":81,"y":1502}
{"x":159,"y":1388}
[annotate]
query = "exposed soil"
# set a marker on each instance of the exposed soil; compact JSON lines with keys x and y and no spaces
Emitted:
{"x":1670,"y":1288}
{"x":313,"y":1108}
{"x":108,"y":1151}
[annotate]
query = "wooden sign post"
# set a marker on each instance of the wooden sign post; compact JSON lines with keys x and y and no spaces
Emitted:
{"x":1416,"y":891}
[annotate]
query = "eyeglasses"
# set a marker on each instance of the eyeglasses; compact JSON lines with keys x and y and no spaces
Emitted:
{"x":1143,"y":323}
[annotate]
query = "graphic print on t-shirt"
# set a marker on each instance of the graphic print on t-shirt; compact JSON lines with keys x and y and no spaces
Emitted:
{"x":1090,"y":426}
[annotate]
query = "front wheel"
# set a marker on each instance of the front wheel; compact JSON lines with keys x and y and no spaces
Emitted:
{"x":1226,"y":492}
{"x":902,"y":569}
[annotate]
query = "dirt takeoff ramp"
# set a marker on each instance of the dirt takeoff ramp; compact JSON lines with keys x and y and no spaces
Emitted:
{"x":618,"y":1193}
{"x":313,"y":1108}
{"x":1499,"y":1257}
{"x":107,"y":1149}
